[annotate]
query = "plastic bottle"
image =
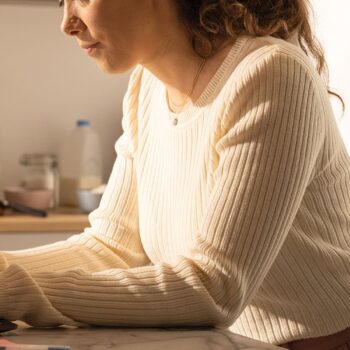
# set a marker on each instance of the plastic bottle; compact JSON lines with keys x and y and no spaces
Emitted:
{"x":80,"y":162}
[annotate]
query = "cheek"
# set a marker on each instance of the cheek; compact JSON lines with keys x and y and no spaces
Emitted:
{"x":118,"y":22}
{"x":105,"y":30}
{"x":117,"y":37}
{"x":96,"y":27}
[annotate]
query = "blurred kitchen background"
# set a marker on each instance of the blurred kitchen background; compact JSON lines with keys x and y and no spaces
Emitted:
{"x":47,"y":82}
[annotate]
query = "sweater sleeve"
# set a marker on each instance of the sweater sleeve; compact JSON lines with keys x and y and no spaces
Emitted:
{"x":268,"y":144}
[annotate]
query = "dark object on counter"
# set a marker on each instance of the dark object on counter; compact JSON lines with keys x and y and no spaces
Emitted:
{"x":21,"y":208}
{"x":6,"y":326}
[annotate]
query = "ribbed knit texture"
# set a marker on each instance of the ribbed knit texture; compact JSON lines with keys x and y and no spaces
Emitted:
{"x":238,"y":216}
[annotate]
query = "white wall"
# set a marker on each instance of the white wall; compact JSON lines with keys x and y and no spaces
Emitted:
{"x":46,"y":83}
{"x":332,"y":28}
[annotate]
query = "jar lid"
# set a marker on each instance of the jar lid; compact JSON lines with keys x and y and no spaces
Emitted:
{"x":38,"y":159}
{"x":83,"y":122}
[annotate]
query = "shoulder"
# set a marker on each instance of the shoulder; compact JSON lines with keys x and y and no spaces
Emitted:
{"x":261,"y":54}
{"x":141,"y":82}
{"x":135,"y":80}
{"x":136,"y":97}
{"x":270,"y":74}
{"x":140,"y":78}
{"x":264,"y":62}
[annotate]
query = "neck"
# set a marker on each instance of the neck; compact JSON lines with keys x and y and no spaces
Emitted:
{"x":175,"y":65}
{"x":174,"y":61}
{"x":177,"y":69}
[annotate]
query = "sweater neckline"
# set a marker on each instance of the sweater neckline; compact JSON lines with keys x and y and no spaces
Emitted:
{"x":191,"y":110}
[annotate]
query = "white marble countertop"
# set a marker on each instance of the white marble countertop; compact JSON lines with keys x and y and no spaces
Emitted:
{"x":98,"y":338}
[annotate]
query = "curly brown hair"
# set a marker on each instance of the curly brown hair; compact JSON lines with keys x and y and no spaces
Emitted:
{"x":210,"y":21}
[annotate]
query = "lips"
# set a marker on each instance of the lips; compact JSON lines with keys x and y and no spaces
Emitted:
{"x":90,"y":48}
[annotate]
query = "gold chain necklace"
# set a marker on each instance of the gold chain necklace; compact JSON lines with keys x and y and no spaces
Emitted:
{"x":188,"y":94}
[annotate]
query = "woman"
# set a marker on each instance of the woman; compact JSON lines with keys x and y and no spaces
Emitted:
{"x":228,"y":204}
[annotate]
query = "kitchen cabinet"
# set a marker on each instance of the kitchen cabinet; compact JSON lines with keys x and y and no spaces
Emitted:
{"x":23,"y":231}
{"x":20,"y":240}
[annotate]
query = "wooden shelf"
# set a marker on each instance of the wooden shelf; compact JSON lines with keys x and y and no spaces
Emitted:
{"x":58,"y":220}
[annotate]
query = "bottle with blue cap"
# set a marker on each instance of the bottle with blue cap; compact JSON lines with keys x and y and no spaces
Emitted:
{"x":80,"y":162}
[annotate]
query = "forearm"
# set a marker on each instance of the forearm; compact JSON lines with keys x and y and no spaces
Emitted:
{"x":161,"y":295}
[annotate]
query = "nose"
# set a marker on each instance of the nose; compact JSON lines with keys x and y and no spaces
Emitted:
{"x":71,"y":24}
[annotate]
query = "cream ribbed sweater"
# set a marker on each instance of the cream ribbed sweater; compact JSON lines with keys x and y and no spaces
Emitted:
{"x":238,"y":216}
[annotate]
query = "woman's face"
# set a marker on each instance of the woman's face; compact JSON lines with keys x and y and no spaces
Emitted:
{"x":117,"y":33}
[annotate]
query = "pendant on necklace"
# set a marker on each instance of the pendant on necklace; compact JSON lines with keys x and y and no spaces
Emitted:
{"x":175,"y":121}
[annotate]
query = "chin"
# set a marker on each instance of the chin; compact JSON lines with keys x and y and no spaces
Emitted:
{"x":113,"y":68}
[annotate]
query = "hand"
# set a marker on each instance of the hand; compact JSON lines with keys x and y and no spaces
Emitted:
{"x":6,"y":326}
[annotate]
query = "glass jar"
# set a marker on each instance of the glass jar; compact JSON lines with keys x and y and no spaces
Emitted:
{"x":40,"y":171}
